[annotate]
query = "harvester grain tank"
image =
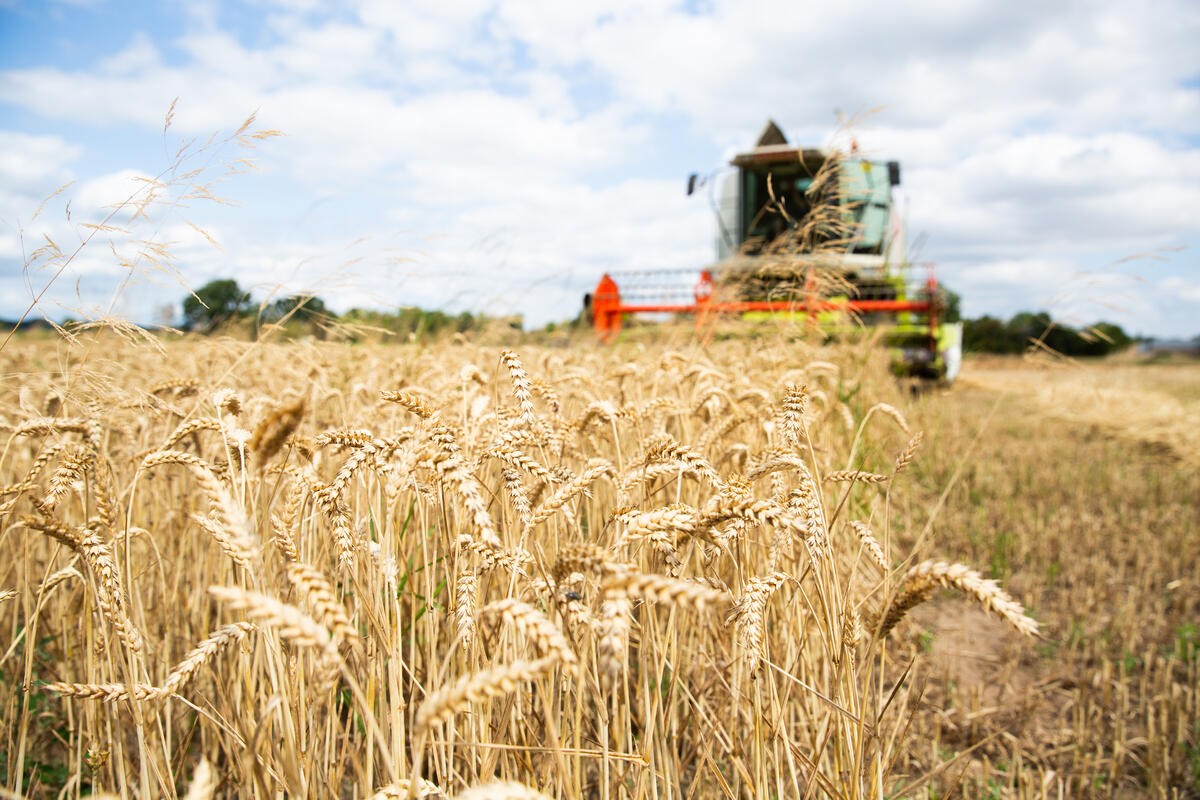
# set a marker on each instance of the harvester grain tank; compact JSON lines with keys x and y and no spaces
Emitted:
{"x":807,"y":232}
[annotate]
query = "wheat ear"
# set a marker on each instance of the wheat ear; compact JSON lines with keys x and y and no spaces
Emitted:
{"x":97,"y":554}
{"x":795,"y":405}
{"x":275,"y":428}
{"x":522,"y":386}
{"x":411,"y":402}
{"x":426,"y":790}
{"x":204,"y":782}
{"x":466,"y":601}
{"x":315,"y":587}
{"x":906,"y":456}
{"x":919,"y":583}
{"x":443,"y":704}
{"x":203,"y":653}
{"x":664,"y":589}
{"x":105,"y":692}
{"x":870,"y":543}
{"x":849,"y":475}
{"x":292,"y":624}
{"x":545,"y":636}
{"x":748,"y":616}
{"x":893,"y":412}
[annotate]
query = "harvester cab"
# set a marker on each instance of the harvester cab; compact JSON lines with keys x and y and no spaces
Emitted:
{"x":811,"y":233}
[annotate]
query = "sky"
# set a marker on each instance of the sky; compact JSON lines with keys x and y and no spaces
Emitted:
{"x":501,"y":156}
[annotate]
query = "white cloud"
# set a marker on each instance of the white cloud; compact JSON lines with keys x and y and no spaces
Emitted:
{"x":29,"y":164}
{"x":521,"y":137}
{"x":1181,"y":289}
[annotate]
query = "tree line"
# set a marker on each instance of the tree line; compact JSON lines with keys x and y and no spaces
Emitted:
{"x":1027,"y":329}
{"x":223,"y":302}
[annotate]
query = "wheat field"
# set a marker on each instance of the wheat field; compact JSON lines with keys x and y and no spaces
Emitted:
{"x":745,"y":568}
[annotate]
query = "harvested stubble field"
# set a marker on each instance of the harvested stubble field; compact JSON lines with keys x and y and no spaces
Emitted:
{"x":255,"y":570}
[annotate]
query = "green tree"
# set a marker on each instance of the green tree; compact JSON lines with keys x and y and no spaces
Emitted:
{"x":951,"y":305}
{"x":214,"y":303}
{"x":304,"y":307}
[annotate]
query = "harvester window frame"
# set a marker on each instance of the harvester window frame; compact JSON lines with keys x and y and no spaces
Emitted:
{"x":756,"y":200}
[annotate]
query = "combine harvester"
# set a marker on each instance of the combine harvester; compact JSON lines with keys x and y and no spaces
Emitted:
{"x":804,"y":233}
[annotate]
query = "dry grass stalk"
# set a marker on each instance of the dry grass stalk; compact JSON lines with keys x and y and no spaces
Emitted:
{"x":204,"y":782}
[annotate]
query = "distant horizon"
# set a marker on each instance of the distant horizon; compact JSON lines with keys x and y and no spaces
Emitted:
{"x":178,"y":324}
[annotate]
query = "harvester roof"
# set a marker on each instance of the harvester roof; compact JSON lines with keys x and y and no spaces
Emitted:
{"x":772,"y":148}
